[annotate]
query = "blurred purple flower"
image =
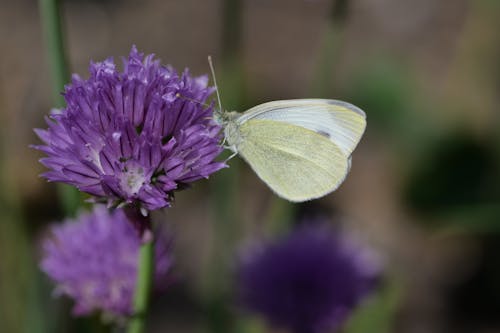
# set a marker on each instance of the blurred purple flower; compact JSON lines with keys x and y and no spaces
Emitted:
{"x":94,"y":261}
{"x":132,"y":136}
{"x":308,"y":282}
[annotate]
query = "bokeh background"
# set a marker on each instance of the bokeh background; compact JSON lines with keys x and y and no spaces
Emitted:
{"x":424,"y":189}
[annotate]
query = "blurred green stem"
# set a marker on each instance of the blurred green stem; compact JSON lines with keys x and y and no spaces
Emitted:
{"x":279,"y":216}
{"x":339,"y":12}
{"x":225,"y":195}
{"x":226,"y":227}
{"x":143,"y":287}
{"x":54,"y":43}
{"x":323,"y":81}
{"x":50,"y":15}
{"x":232,"y":30}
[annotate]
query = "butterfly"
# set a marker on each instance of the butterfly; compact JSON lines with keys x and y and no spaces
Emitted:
{"x":301,"y":148}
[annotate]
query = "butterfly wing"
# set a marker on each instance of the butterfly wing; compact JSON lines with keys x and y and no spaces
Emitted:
{"x":341,"y":122}
{"x":298,"y":164}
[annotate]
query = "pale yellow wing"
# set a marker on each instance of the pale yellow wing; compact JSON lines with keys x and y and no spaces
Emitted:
{"x":341,"y":122}
{"x":297,"y":163}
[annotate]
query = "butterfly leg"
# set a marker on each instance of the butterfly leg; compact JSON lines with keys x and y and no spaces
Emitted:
{"x":235,"y":152}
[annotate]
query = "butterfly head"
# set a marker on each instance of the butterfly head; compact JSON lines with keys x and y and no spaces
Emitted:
{"x":223,"y":118}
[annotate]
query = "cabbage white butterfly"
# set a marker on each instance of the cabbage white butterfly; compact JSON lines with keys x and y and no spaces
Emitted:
{"x":300,"y":148}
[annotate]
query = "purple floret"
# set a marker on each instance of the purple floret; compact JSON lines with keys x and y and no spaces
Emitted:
{"x":132,"y":136}
{"x":94,"y":258}
{"x":308,"y":282}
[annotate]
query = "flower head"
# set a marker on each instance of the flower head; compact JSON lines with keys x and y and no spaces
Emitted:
{"x":94,"y":261}
{"x":307,"y":282}
{"x":132,"y":136}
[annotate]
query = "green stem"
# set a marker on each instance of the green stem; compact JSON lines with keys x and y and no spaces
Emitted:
{"x":143,"y":287}
{"x":225,"y":202}
{"x":54,"y":43}
{"x":50,"y":15}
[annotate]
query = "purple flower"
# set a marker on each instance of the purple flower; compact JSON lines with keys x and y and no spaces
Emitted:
{"x":133,"y":136}
{"x":94,"y":261}
{"x":308,"y":282}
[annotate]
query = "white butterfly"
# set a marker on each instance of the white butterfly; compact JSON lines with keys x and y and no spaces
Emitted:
{"x":301,"y":148}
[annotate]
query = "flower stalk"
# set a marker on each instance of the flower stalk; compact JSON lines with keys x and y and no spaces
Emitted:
{"x":54,"y":44}
{"x":143,"y":287}
{"x":50,"y":16}
{"x":145,"y":269}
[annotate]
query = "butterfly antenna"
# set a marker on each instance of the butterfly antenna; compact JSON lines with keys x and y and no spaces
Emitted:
{"x":210,"y":63}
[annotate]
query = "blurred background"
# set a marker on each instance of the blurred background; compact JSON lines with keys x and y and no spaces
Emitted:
{"x":423,"y":191}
